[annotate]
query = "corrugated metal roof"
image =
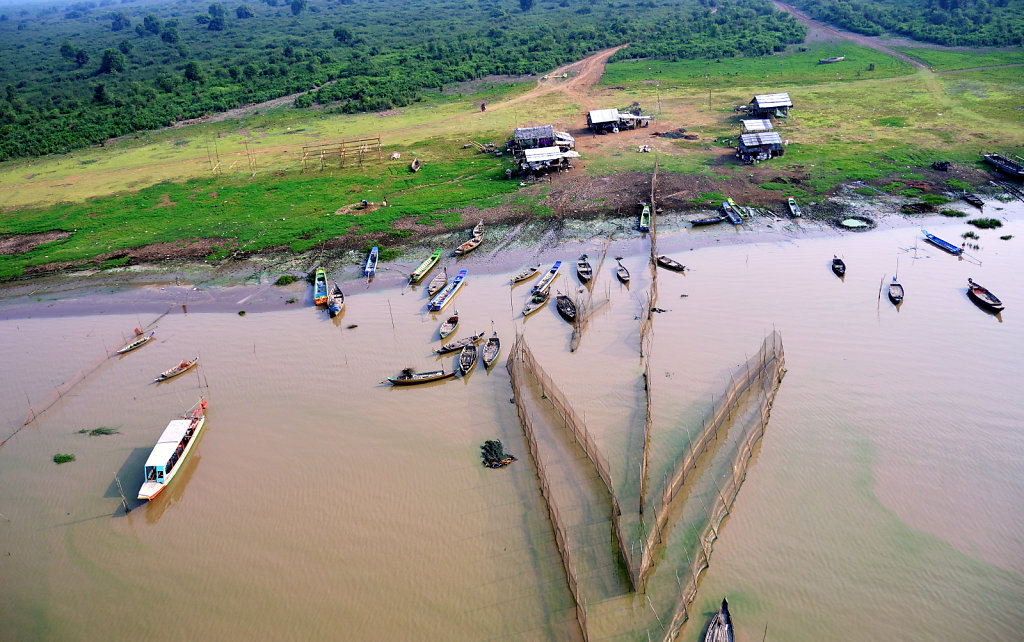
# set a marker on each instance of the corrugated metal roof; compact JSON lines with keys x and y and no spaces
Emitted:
{"x":767,"y":101}
{"x":604,"y":116}
{"x":542,"y":154}
{"x":764,"y":138}
{"x":758,"y":125}
{"x":168,"y":442}
{"x":531,"y":133}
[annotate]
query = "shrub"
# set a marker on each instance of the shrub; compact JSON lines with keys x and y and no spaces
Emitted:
{"x":1006,"y":237}
{"x":970,"y":235}
{"x":953,"y":213}
{"x":285,"y":279}
{"x":62,"y":458}
{"x":985,"y":223}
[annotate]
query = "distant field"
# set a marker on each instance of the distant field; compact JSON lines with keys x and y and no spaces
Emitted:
{"x":942,"y":60}
{"x":770,"y":73}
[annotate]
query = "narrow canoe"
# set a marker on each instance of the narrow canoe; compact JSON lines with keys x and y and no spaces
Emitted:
{"x":525,"y":274}
{"x":371,"y":262}
{"x":670,"y":264}
{"x":622,"y":272}
{"x":491,"y":350}
{"x":445,"y":296}
{"x":425,"y":267}
{"x":826,"y":61}
{"x":583,"y":269}
{"x":438,"y":282}
{"x":336,"y":301}
{"x":720,"y":628}
{"x":943,"y":245}
{"x":548,"y":278}
{"x":566,"y":307}
{"x":171,"y":450}
{"x":455,"y":346}
{"x":478,"y":229}
{"x":645,"y":219}
{"x":449,"y":325}
{"x":468,"y":246}
{"x":731,"y":214}
{"x":536,"y":301}
{"x":838,"y":266}
{"x":467,"y":359}
{"x":137,"y":342}
{"x":794,"y":209}
{"x":182,"y":367}
{"x":409,"y":378}
{"x":707,"y":221}
{"x":320,"y":287}
{"x":1006,"y":165}
{"x":895,"y":291}
{"x":983,"y":297}
{"x":974,"y":200}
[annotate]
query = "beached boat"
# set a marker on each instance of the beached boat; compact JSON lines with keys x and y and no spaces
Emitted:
{"x":336,"y":300}
{"x":547,"y":279}
{"x":170,"y":451}
{"x":707,"y":221}
{"x":425,"y":267}
{"x":139,"y":341}
{"x":409,"y":378}
{"x":895,"y":291}
{"x":449,"y":325}
{"x":519,"y":277}
{"x":467,"y":359}
{"x":182,"y":367}
{"x":320,"y":287}
{"x":455,"y":346}
{"x":838,"y":266}
{"x":438,"y":282}
{"x":371,"y":262}
{"x":478,"y":229}
{"x":826,"y":61}
{"x":1006,"y":165}
{"x":536,"y":301}
{"x":415,"y":165}
{"x":944,"y":245}
{"x":794,"y":209}
{"x":445,"y":296}
{"x":584,"y":269}
{"x":468,"y":246}
{"x":731,"y":214}
{"x":983,"y":297}
{"x":566,"y":307}
{"x":670,"y":264}
{"x":491,"y":350}
{"x":720,"y":628}
{"x":621,"y":271}
{"x":645,"y":219}
{"x":974,"y":200}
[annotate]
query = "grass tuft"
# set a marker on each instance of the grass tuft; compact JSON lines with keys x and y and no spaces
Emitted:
{"x":62,"y":458}
{"x":985,"y":223}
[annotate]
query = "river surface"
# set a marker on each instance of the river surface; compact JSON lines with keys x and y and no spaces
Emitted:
{"x":886,"y":500}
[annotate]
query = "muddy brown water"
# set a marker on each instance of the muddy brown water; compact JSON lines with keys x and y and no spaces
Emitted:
{"x":884,"y":501}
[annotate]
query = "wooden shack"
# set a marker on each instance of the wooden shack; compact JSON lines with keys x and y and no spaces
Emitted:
{"x":754,"y":148}
{"x":524,"y":138}
{"x":770,"y":105}
{"x":754,"y":126}
{"x":612,"y":120}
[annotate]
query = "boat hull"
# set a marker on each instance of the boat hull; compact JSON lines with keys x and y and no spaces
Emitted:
{"x":151,"y":489}
{"x":983,"y":298}
{"x":425,"y":267}
{"x":167,"y":375}
{"x":942,"y":245}
{"x":896,"y":293}
{"x":437,"y":375}
{"x":445,"y":296}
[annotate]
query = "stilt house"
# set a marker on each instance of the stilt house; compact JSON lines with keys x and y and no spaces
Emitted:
{"x":770,"y":105}
{"x":754,"y":148}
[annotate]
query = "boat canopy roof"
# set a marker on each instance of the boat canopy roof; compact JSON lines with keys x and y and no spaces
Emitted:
{"x":168,"y":442}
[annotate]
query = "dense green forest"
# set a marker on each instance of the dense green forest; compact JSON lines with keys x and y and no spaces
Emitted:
{"x":973,"y":23}
{"x":78,"y":74}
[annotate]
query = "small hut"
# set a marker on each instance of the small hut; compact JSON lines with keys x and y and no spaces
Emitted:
{"x":612,"y":120}
{"x":754,"y":148}
{"x":770,"y":105}
{"x":533,"y":137}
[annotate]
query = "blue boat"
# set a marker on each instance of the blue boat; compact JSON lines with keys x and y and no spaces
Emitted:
{"x":944,"y":245}
{"x":371,"y":262}
{"x":547,"y":279}
{"x":447,"y":294}
{"x":734,"y":218}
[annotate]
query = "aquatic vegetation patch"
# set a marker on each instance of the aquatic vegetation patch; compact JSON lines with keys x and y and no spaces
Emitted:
{"x":985,"y":223}
{"x":953,"y":213}
{"x":286,"y":279}
{"x":63,"y":458}
{"x":934,"y":199}
{"x":96,"y":432}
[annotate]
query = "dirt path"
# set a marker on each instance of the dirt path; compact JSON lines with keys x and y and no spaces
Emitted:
{"x":584,"y":74}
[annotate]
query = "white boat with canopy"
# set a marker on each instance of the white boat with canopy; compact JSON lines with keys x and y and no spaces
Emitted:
{"x":171,"y":449}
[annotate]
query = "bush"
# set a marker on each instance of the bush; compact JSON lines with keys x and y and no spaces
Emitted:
{"x":61,"y":458}
{"x":1006,"y":237}
{"x":953,"y":213}
{"x":970,"y":235}
{"x":985,"y":223}
{"x":285,"y":279}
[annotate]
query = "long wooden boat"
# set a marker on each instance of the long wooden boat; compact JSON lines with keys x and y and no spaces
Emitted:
{"x":983,"y":297}
{"x":536,"y":301}
{"x":320,"y":287}
{"x":469,"y":246}
{"x":519,"y":277}
{"x":895,"y":291}
{"x":410,"y":378}
{"x":566,"y":307}
{"x":838,"y":266}
{"x":425,"y":267}
{"x":171,"y":450}
{"x":547,"y":279}
{"x":182,"y":367}
{"x":371,"y":262}
{"x":1006,"y":165}
{"x":707,"y":221}
{"x":491,"y":350}
{"x":720,"y":628}
{"x":467,"y":359}
{"x":445,"y":296}
{"x":974,"y":200}
{"x":415,"y":165}
{"x":336,"y":300}
{"x":454,"y":346}
{"x":794,"y":209}
{"x":621,"y":271}
{"x":670,"y":264}
{"x":139,"y":341}
{"x":438,"y":282}
{"x":478,"y":229}
{"x":826,"y":61}
{"x":731,"y":214}
{"x":645,"y":219}
{"x":584,"y":269}
{"x":943,"y":245}
{"x":449,"y":325}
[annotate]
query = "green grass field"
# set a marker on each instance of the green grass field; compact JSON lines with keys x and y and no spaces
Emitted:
{"x":942,"y":60}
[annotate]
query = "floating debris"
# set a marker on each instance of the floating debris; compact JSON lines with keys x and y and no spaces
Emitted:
{"x":494,"y":455}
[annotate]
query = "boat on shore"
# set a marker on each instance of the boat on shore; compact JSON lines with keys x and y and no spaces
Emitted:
{"x":320,"y":287}
{"x":371,"y":262}
{"x":410,"y":378}
{"x":140,"y":340}
{"x":644,"y":224}
{"x":838,"y":266}
{"x":415,"y":165}
{"x":731,"y":214}
{"x":468,"y":246}
{"x":467,"y":359}
{"x":526,"y":273}
{"x":425,"y":267}
{"x":336,"y":300}
{"x":171,"y":450}
{"x":621,"y":271}
{"x":438,"y":282}
{"x":491,"y":350}
{"x":449,"y":325}
{"x":720,"y":627}
{"x":181,"y":368}
{"x":536,"y":301}
{"x":707,"y":221}
{"x":670,"y":264}
{"x":983,"y":297}
{"x":445,"y":296}
{"x":974,"y":200}
{"x":455,"y":346}
{"x":478,"y":229}
{"x":566,"y":307}
{"x":794,"y":209}
{"x":827,"y":61}
{"x":942,"y":245}
{"x":547,"y":279}
{"x":1014,"y":168}
{"x":895,"y":292}
{"x":584,"y":269}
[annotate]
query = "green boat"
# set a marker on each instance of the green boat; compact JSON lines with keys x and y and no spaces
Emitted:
{"x":645,"y":219}
{"x":425,"y":267}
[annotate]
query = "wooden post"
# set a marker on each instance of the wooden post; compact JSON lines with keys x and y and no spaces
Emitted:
{"x":124,"y":501}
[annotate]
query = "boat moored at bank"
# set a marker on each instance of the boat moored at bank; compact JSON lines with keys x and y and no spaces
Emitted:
{"x":171,"y":450}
